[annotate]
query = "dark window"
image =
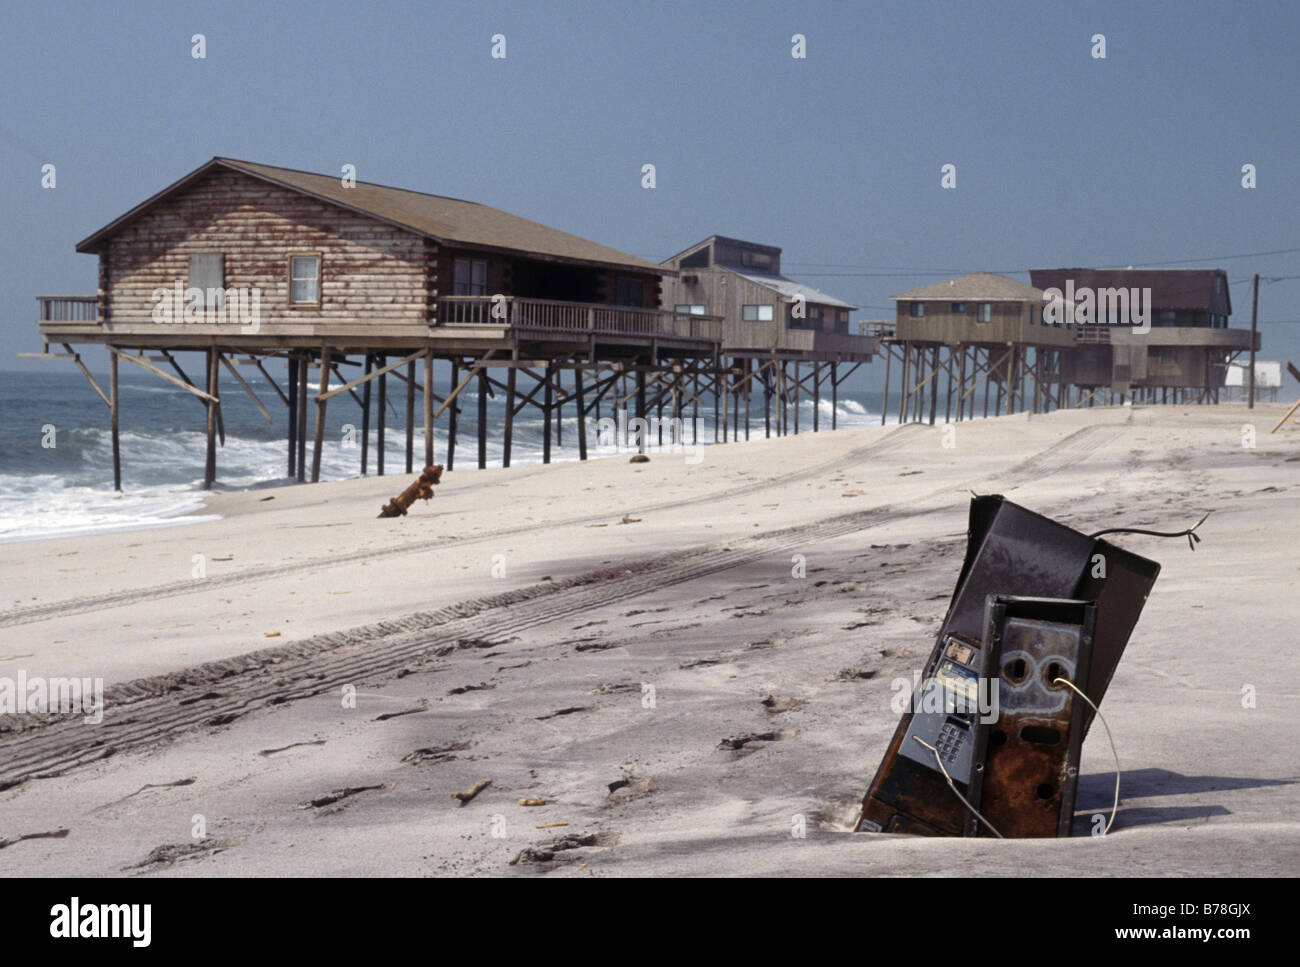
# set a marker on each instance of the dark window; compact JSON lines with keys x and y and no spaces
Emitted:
{"x":917,"y":309}
{"x":689,"y":310}
{"x":631,"y":292}
{"x":984,"y":312}
{"x":304,"y":280}
{"x":758,"y":260}
{"x":756,"y":313}
{"x":959,"y":308}
{"x":471,"y":277}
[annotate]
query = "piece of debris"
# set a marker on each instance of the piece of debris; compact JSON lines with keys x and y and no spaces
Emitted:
{"x":440,"y":753}
{"x":170,"y":853}
{"x":286,"y":748}
{"x":474,"y":790}
{"x":532,"y":802}
{"x":548,"y":851}
{"x":628,"y":519}
{"x":338,"y":795}
{"x":776,"y":704}
{"x":50,"y":834}
{"x":462,"y":689}
{"x":270,"y":634}
{"x":549,"y":825}
{"x":422,"y":707}
{"x":854,"y":674}
{"x":639,"y":458}
{"x":189,"y":781}
{"x":422,"y":489}
{"x":566,"y":711}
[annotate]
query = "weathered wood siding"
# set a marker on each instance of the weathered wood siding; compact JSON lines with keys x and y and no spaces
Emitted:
{"x":372,"y":274}
{"x":1010,"y":322}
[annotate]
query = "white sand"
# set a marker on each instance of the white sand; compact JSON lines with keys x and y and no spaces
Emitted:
{"x":694,"y":597}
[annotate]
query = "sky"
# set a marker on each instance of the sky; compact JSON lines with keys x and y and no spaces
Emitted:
{"x":1062,"y":158}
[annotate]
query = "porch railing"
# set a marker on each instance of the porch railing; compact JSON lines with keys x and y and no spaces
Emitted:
{"x":68,"y":308}
{"x":575,"y":317}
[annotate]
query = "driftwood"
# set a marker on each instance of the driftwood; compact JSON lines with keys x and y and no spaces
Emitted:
{"x":422,"y":489}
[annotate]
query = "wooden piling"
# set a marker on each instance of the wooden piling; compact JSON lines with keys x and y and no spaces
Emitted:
{"x":210,"y":462}
{"x":365,"y":418}
{"x":319,"y":439}
{"x":381,"y":428}
{"x":113,"y":420}
{"x":482,"y":418}
{"x":510,"y":416}
{"x":428,"y":412}
{"x":410,"y":416}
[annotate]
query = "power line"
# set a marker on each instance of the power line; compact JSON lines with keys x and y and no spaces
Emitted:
{"x":885,"y":270}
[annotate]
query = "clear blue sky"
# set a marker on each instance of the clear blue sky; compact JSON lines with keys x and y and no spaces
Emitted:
{"x":1062,"y":159}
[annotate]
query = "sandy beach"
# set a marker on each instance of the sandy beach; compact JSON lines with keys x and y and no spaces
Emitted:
{"x":628,"y":644}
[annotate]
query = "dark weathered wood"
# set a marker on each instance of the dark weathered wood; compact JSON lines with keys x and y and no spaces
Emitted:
{"x":244,"y":385}
{"x":113,"y":421}
{"x":817,"y":395}
{"x":482,"y":418}
{"x":509,"y":433}
{"x":410,"y":416}
{"x":428,"y":412}
{"x":303,"y":372}
{"x":547,"y":394}
{"x":381,"y":418}
{"x":293,"y":416}
{"x":453,"y":424}
{"x":210,"y":461}
{"x":319,"y":439}
{"x":365,"y":416}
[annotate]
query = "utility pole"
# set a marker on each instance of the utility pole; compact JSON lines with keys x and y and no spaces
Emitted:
{"x":1254,"y":316}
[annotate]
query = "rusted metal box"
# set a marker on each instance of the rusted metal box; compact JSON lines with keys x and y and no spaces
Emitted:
{"x":1011,"y":552}
{"x":1031,"y":764}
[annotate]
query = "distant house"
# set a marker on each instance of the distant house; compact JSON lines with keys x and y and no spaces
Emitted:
{"x":976,"y":309}
{"x":1188,"y":346}
{"x":361,"y":261}
{"x":763,"y":311}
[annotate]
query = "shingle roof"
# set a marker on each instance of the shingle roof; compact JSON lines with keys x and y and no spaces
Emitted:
{"x":789,"y":288}
{"x":447,"y":220}
{"x":1170,"y":288}
{"x":975,"y":287}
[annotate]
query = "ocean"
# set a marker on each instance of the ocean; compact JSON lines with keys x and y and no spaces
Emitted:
{"x":56,"y":464}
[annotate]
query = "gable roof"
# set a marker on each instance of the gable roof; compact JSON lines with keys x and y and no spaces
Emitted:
{"x":974,"y":287}
{"x":1170,"y":288}
{"x":789,"y":288}
{"x":445,"y":220}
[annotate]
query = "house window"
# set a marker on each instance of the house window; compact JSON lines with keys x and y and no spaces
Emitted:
{"x":916,"y":309}
{"x":1165,"y":355}
{"x":1168,"y":317}
{"x":304,"y":280}
{"x":207,"y":271}
{"x":815,"y":312}
{"x":630,"y":292}
{"x":984,"y":312}
{"x":756,"y":313}
{"x":471,"y":277}
{"x":758,"y":260}
{"x":959,"y":308}
{"x":689,"y":310}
